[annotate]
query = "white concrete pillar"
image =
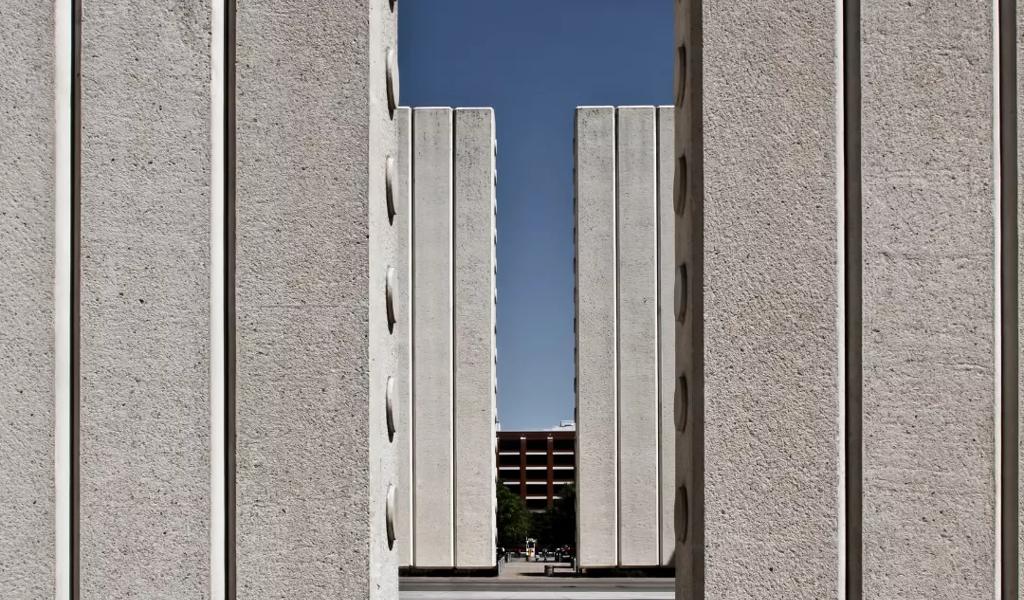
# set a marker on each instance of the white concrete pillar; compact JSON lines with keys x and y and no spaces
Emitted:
{"x":316,"y":89}
{"x":474,"y":322}
{"x":402,"y":195}
{"x":929,"y":243}
{"x":27,"y":310}
{"x":637,"y":340}
{"x":666,"y":337}
{"x":144,"y":406}
{"x":596,"y":373}
{"x":759,"y":349}
{"x":433,"y":372}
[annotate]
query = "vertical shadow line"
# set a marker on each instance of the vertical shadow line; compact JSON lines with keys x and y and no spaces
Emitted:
{"x":76,"y":313}
{"x":230,"y":529}
{"x":853,"y":299}
{"x":660,"y":391}
{"x":1009,"y":343}
{"x":618,"y":353}
{"x":453,"y":221}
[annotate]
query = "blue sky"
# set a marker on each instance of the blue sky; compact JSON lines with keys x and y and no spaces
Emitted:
{"x":534,"y":61}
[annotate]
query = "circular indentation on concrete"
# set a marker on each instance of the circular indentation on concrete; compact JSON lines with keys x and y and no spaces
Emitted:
{"x":680,"y":293}
{"x":389,"y":515}
{"x":390,"y":283}
{"x":682,"y":513}
{"x":681,"y":71}
{"x":391,"y":73}
{"x":682,"y":403}
{"x":389,"y":406}
{"x":680,"y":184}
{"x":389,"y":187}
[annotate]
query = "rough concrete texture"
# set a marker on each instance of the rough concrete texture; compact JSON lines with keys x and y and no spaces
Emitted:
{"x":474,"y":320}
{"x":596,"y":420}
{"x":145,"y":244}
{"x":433,"y":417}
{"x":313,"y":349}
{"x":771,"y":403}
{"x":636,"y":264}
{"x":928,"y":487}
{"x":666,"y":336}
{"x":403,"y":331}
{"x":26,"y":302}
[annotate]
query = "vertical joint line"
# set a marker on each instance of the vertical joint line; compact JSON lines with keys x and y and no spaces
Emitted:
{"x":451,"y":332}
{"x":229,"y":252}
{"x":852,"y":300}
{"x":1007,"y":300}
{"x":657,"y":326}
{"x":76,"y":262}
{"x":618,"y":353}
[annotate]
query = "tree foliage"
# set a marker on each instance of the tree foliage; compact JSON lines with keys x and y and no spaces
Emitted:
{"x":556,"y":527}
{"x":513,"y":518}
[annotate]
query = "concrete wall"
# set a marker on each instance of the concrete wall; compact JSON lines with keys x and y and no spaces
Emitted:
{"x":819,"y":186}
{"x":449,"y":485}
{"x":27,"y":311}
{"x":622,"y":409}
{"x":130,"y":210}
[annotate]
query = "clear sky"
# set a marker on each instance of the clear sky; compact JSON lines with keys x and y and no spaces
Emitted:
{"x":534,"y":61}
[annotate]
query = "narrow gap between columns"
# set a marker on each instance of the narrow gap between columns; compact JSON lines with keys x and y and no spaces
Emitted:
{"x":657,"y":323}
{"x":852,"y":288}
{"x":618,"y":354}
{"x":230,"y":572}
{"x":451,"y":332}
{"x":1008,"y":299}
{"x":76,"y":263}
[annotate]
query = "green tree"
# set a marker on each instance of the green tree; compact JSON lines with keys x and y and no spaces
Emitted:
{"x":556,"y":526}
{"x":513,"y":518}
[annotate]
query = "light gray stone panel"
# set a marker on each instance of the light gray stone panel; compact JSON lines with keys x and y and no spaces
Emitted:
{"x":474,"y":318}
{"x":636,"y":263}
{"x":666,"y":336}
{"x":770,"y":399}
{"x":596,"y":420}
{"x":928,"y":293}
{"x":433,"y":406}
{"x":313,"y":244}
{"x":145,"y":254}
{"x":403,"y":331}
{"x":27,"y":242}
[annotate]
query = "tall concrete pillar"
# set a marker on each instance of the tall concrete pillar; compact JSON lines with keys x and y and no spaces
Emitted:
{"x":625,"y":374}
{"x":929,"y":244}
{"x":596,"y":326}
{"x":666,"y":336}
{"x":474,"y":323}
{"x":433,"y":366}
{"x":315,"y":299}
{"x":402,"y":195}
{"x":144,"y":405}
{"x":27,"y":310}
{"x":637,"y":341}
{"x":758,"y":253}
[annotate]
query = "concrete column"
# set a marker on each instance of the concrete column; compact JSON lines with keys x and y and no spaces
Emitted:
{"x":27,"y":242}
{"x":474,"y":320}
{"x":402,"y":195}
{"x":759,"y":350}
{"x":928,"y":292}
{"x":596,"y":374}
{"x":144,"y":483}
{"x":433,"y":409}
{"x":666,"y":336}
{"x":315,"y":304}
{"x":636,"y":263}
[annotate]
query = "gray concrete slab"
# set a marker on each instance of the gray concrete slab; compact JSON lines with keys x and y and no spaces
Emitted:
{"x":596,"y":410}
{"x":474,"y":322}
{"x":403,"y":330}
{"x":637,"y":339}
{"x":666,"y":336}
{"x":314,"y":350}
{"x":433,"y":374}
{"x":928,"y":295}
{"x":767,"y":186}
{"x":27,"y":242}
{"x":145,"y":253}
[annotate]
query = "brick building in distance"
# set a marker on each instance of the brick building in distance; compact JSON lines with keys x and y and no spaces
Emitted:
{"x":535,"y":465}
